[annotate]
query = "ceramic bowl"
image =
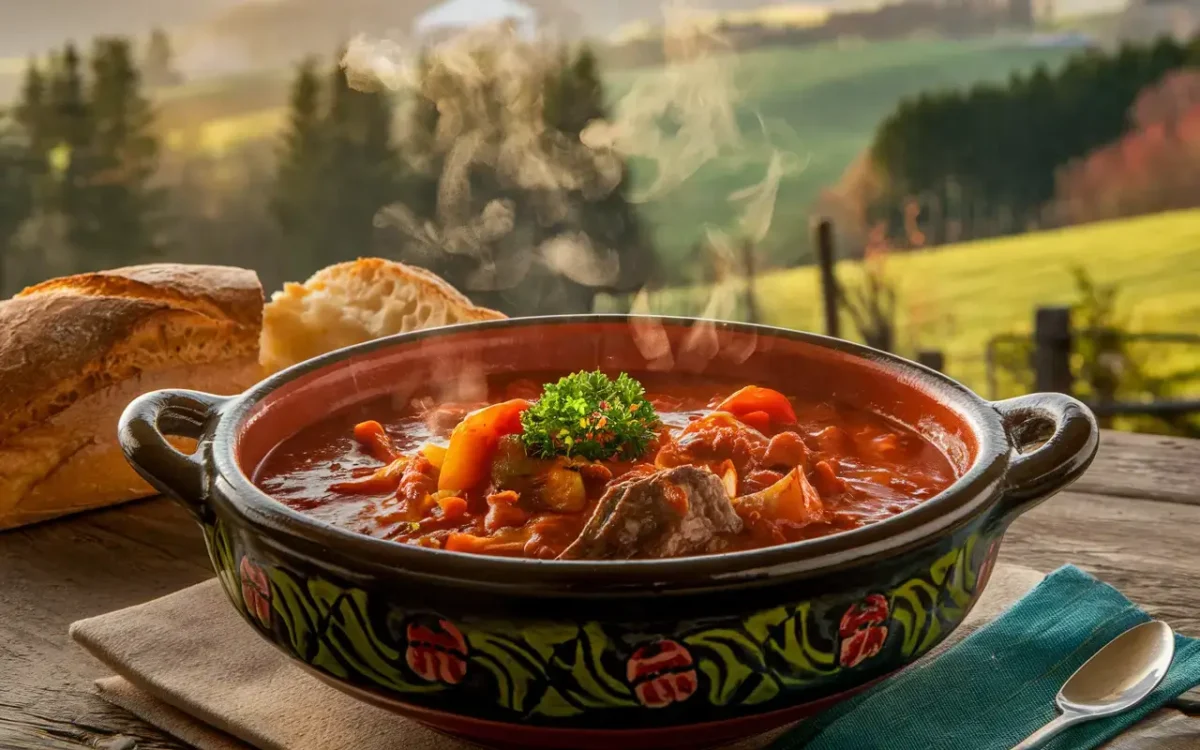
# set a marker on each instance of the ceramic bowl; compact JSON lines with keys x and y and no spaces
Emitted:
{"x":681,"y":653}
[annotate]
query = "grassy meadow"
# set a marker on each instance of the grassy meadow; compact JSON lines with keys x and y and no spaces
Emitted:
{"x":955,"y":298}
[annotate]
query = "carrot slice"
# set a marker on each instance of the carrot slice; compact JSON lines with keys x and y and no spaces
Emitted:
{"x":371,"y":436}
{"x":466,"y":543}
{"x":453,"y":507}
{"x":473,"y":444}
{"x":480,"y":545}
{"x":755,"y":398}
{"x":759,"y":420}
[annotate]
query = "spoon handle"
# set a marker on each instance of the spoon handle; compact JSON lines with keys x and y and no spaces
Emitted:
{"x":1049,"y":731}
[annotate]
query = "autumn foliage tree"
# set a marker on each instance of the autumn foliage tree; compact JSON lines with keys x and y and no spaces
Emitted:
{"x":984,"y":161}
{"x":1154,"y":167}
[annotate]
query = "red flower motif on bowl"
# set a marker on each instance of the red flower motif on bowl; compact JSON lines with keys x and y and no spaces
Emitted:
{"x":662,"y":673}
{"x":437,"y":652}
{"x":863,"y":630}
{"x":256,"y":592}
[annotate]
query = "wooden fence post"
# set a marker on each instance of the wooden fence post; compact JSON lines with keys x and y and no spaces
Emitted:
{"x":751,"y":273}
{"x":933,"y":359}
{"x":829,"y":290}
{"x":1052,"y":350}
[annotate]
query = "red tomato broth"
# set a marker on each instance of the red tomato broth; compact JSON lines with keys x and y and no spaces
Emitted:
{"x":865,"y":466}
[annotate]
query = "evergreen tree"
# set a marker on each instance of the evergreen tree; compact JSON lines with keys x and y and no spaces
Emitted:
{"x":68,"y":117}
{"x":158,"y":68}
{"x":576,"y":95}
{"x":33,"y":111}
{"x":69,"y":128}
{"x":298,"y":191}
{"x":338,"y":167}
{"x":17,"y":179}
{"x":363,"y":162}
{"x":610,"y":220}
{"x":33,"y":117}
{"x":121,"y":203}
{"x":1000,"y":146}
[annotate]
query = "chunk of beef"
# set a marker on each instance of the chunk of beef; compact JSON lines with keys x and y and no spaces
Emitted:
{"x":671,"y":513}
{"x":712,"y":439}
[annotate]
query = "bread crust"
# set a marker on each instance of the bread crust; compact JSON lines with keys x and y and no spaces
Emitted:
{"x":74,"y":351}
{"x":67,"y":338}
{"x":225,"y":292}
{"x":73,"y":461}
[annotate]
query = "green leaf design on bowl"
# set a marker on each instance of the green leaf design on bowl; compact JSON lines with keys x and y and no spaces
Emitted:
{"x":555,"y":671}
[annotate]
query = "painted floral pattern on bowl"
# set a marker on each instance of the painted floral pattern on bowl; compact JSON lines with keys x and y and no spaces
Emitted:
{"x":662,"y":673}
{"x":863,"y":630}
{"x":552,"y":673}
{"x":256,"y":592}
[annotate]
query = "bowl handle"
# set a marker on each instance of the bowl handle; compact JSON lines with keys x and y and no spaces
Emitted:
{"x":142,"y":432}
{"x":1053,"y":437}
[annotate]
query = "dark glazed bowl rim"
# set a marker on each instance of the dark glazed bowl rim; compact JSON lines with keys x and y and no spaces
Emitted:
{"x":973,"y":493}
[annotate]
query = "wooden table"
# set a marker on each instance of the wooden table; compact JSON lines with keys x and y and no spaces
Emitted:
{"x":1133,"y":521}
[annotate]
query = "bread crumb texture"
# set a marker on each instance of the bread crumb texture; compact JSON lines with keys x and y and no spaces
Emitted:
{"x":358,"y":301}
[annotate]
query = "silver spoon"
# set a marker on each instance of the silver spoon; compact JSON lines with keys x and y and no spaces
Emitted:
{"x":1115,"y":679}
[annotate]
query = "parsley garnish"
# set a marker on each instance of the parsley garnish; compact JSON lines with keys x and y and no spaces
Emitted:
{"x":589,"y":415}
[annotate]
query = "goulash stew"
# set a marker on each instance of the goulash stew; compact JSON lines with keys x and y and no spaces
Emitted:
{"x":595,"y":468}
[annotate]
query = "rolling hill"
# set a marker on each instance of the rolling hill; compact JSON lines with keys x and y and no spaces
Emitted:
{"x":955,"y":298}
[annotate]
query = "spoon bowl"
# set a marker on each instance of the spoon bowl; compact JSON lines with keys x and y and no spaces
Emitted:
{"x":1115,"y":679}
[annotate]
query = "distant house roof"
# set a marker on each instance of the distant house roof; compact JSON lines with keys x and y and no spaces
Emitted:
{"x":462,"y":13}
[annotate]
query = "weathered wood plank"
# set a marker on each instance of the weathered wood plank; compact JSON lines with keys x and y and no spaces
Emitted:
{"x":68,"y":719}
{"x":1145,"y":466}
{"x":56,"y":573}
{"x":1145,"y":549}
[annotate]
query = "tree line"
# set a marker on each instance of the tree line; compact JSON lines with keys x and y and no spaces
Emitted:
{"x":984,"y":161}
{"x":79,"y":158}
{"x":448,"y":173}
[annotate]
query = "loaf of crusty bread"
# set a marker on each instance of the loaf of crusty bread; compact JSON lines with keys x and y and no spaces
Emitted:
{"x":355,"y":302}
{"x":75,"y":351}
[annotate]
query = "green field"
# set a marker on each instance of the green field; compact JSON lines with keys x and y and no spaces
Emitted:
{"x":820,"y":103}
{"x":957,"y":297}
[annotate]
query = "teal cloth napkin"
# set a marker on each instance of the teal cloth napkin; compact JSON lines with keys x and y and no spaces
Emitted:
{"x":996,"y":686}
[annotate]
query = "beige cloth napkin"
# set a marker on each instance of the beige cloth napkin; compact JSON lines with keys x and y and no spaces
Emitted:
{"x":189,"y":665}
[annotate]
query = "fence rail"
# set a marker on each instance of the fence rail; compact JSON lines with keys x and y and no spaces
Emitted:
{"x":1053,"y":342}
{"x":1147,"y":408}
{"x":1050,"y":346}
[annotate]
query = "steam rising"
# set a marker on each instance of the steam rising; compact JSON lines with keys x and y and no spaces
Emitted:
{"x":694,"y":93}
{"x":486,"y":85}
{"x":573,"y":257}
